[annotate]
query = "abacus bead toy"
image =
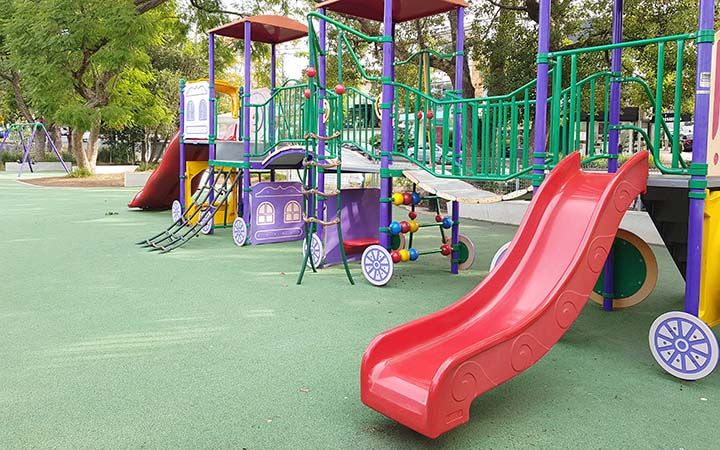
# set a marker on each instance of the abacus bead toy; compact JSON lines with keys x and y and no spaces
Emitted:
{"x":416,"y":198}
{"x":395,"y":227}
{"x":414,"y":226}
{"x":438,"y":218}
{"x":447,"y":223}
{"x":404,"y":255}
{"x":395,"y":255}
{"x":445,"y":249}
{"x":397,"y":199}
{"x":404,"y":227}
{"x":412,"y":215}
{"x":413,"y":254}
{"x":407,"y":198}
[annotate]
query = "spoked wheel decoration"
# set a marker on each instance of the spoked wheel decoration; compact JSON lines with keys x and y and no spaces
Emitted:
{"x":377,"y":265}
{"x":499,"y":255}
{"x":466,"y":251}
{"x":683,"y":345}
{"x":239,"y":232}
{"x":317,"y":251}
{"x":177,"y":211}
{"x":207,"y":222}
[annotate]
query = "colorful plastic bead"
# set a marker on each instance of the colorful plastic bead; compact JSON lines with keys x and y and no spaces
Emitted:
{"x":395,"y":227}
{"x":413,"y":254}
{"x":397,"y":199}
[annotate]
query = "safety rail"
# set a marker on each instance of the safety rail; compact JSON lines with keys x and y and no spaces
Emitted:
{"x":278,"y":121}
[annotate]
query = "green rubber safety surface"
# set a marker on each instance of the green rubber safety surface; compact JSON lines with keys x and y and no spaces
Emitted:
{"x":630,"y":270}
{"x":105,"y":345}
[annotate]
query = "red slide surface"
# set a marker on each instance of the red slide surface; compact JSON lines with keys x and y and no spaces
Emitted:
{"x":425,"y":373}
{"x":163,"y":186}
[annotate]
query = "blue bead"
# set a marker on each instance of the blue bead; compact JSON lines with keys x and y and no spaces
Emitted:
{"x":416,"y":198}
{"x":413,"y":254}
{"x":395,"y":227}
{"x":447,"y":223}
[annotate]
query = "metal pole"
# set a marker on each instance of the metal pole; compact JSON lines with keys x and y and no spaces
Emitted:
{"x":322,"y":92}
{"x":698,"y":168}
{"x":614,"y":138}
{"x":388,"y":133}
{"x":211,"y":111}
{"x":246,"y":125}
{"x":459,"y":65}
{"x":55,"y":150}
{"x":543,"y":70}
{"x":183,"y":163}
{"x":273,"y":87}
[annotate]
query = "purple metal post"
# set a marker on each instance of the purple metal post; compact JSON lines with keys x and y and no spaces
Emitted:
{"x":699,"y":155}
{"x":54,"y":148}
{"x":181,"y":136}
{"x":322,"y":92}
{"x":614,"y":138}
{"x":211,"y":112}
{"x":387,"y":131}
{"x":246,"y":125}
{"x":273,"y":88}
{"x":541,"y":96}
{"x":459,"y":65}
{"x":27,"y":147}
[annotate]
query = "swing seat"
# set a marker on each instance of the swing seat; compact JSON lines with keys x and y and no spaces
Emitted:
{"x":355,"y":246}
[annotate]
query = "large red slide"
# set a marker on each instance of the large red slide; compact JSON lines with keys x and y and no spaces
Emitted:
{"x":426,"y":373}
{"x":163,"y":186}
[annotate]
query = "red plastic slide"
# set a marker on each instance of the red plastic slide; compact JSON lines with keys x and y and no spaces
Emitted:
{"x":425,"y":374}
{"x":163,"y":185}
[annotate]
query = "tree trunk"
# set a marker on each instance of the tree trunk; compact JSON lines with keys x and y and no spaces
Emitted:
{"x":93,"y":146}
{"x":19,"y":99}
{"x":55,"y":138}
{"x":76,"y":142}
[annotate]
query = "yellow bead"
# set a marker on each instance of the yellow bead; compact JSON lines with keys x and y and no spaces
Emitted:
{"x":404,"y":255}
{"x":397,"y":198}
{"x":414,"y":227}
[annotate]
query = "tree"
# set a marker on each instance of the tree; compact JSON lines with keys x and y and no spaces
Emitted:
{"x":85,"y":63}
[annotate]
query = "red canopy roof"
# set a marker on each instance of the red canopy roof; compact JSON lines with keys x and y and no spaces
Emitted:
{"x":403,"y":10}
{"x":267,"y":29}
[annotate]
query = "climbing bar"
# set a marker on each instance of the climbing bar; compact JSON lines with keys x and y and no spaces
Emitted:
{"x":321,"y":222}
{"x":334,"y":136}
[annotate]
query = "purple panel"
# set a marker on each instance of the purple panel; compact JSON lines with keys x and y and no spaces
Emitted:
{"x":541,"y":91}
{"x":360,"y":215}
{"x":276,"y":209}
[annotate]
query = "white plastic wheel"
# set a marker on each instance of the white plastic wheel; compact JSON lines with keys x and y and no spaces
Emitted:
{"x":499,"y":255}
{"x":465,"y":241}
{"x":317,"y":251}
{"x":207,"y":222}
{"x":377,"y":265}
{"x":683,"y":345}
{"x":239,"y":232}
{"x":177,"y":211}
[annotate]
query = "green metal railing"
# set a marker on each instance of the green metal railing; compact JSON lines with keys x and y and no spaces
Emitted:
{"x":280,"y":120}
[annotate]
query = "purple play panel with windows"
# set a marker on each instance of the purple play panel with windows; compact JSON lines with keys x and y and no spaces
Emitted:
{"x":360,"y":221}
{"x":276,"y":211}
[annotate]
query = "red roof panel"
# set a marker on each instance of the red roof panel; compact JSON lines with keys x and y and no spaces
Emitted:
{"x":403,"y":10}
{"x":267,"y":29}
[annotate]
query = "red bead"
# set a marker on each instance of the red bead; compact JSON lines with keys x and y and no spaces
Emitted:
{"x":420,"y":115}
{"x":407,"y":198}
{"x":339,"y":89}
{"x":404,"y":227}
{"x":430,"y":114}
{"x":395,"y":255}
{"x":311,"y":72}
{"x":307,"y":93}
{"x":438,"y":218}
{"x":412,"y":215}
{"x":445,"y":249}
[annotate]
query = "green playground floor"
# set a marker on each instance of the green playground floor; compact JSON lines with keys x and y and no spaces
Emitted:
{"x":104,"y":345}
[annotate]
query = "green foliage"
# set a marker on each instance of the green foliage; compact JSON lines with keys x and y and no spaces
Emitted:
{"x":10,"y":156}
{"x":80,"y":172}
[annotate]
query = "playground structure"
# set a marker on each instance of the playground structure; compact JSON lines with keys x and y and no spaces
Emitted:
{"x":215,"y":165}
{"x":26,"y":133}
{"x":568,"y":248}
{"x":426,"y":373}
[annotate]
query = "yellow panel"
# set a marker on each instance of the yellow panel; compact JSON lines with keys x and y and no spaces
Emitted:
{"x":194,"y":169}
{"x":710,"y":275}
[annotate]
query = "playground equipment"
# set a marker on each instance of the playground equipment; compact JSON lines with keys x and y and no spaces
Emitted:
{"x":265,"y":135}
{"x":26,"y":133}
{"x":426,"y":373}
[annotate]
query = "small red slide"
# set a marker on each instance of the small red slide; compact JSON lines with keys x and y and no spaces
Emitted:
{"x":163,"y":186}
{"x":425,"y":374}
